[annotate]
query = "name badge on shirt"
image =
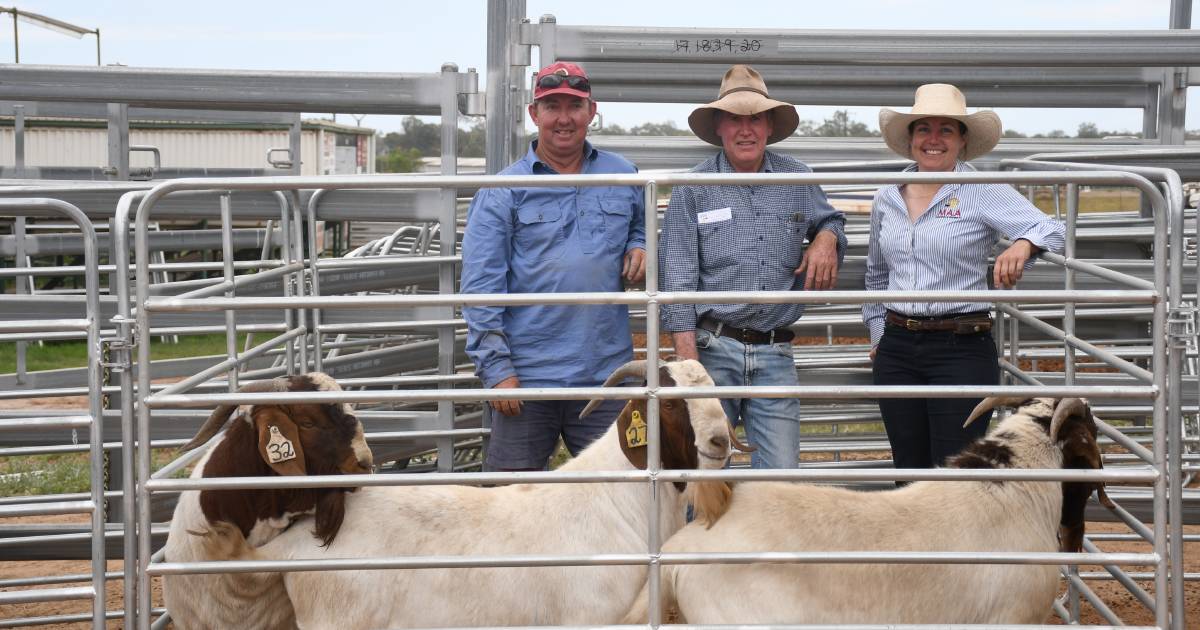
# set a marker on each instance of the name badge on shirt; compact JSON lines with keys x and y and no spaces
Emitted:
{"x":714,"y":216}
{"x":949,"y":210}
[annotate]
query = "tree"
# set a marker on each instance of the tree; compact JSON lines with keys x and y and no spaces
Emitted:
{"x":1088,"y":130}
{"x":1013,"y":133}
{"x":840,"y":125}
{"x":398,"y":161}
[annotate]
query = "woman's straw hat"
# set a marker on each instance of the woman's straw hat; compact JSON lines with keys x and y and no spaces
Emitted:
{"x":743,"y":92}
{"x":940,"y":99}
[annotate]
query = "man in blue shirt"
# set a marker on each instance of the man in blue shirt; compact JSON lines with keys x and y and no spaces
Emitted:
{"x":748,"y":238}
{"x":552,"y":240}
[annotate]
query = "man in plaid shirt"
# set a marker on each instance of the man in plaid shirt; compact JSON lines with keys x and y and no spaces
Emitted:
{"x":748,"y":238}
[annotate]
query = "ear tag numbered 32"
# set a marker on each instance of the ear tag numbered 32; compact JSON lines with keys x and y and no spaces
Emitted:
{"x":635,"y":435}
{"x":279,"y":448}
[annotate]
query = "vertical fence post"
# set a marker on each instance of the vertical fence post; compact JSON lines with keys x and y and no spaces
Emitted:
{"x":449,"y":240}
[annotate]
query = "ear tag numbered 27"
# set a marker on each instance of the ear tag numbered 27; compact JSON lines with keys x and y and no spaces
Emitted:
{"x":635,"y":435}
{"x":279,"y":448}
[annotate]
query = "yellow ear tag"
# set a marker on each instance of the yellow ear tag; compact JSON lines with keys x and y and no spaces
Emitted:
{"x":635,"y":435}
{"x":279,"y":448}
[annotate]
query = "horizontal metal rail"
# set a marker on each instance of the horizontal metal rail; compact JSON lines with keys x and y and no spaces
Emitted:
{"x":53,"y":422}
{"x":46,"y":595}
{"x":1118,"y":476}
{"x":46,"y":509}
{"x":175,"y":305}
{"x":44,"y":325}
{"x":1023,"y":48}
{"x":163,"y":401}
{"x":766,"y":557}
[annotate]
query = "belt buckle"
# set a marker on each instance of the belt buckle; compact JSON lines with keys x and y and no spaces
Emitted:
{"x":912,"y":324}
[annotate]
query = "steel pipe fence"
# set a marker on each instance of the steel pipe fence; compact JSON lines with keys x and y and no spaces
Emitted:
{"x":651,"y":298}
{"x":95,"y":502}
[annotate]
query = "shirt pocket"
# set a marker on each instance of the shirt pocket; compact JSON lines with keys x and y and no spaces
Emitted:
{"x":617,"y":212}
{"x":539,"y":234}
{"x":792,"y":226}
{"x":718,"y":245}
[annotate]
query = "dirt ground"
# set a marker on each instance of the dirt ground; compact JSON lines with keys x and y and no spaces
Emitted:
{"x":1112,"y":593}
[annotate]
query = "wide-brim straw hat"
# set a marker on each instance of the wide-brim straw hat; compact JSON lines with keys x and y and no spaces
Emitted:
{"x":940,"y":99}
{"x":743,"y":92}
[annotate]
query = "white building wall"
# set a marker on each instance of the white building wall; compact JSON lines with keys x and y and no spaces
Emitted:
{"x":180,"y":148}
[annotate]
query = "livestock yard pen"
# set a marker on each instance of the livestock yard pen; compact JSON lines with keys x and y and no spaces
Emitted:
{"x":126,"y":260}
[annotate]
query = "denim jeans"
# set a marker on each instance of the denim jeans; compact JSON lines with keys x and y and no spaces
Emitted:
{"x":924,"y":432}
{"x":772,"y":424}
{"x":527,"y":440}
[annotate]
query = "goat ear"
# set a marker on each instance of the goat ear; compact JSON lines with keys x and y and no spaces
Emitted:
{"x":1074,"y":430}
{"x":279,"y":441}
{"x":331,"y":511}
{"x":632,"y":433}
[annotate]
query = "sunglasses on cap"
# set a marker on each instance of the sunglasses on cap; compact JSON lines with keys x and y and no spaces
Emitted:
{"x":551,"y":81}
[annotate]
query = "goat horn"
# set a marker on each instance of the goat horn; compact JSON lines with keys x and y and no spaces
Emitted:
{"x":220,"y":415}
{"x":990,"y":403}
{"x":633,"y":368}
{"x":738,"y":444}
{"x":1065,"y":409}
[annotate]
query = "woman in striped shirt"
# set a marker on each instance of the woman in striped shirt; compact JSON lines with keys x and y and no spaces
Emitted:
{"x":934,"y":237}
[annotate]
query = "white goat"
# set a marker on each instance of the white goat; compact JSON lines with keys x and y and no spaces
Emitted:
{"x":560,"y":519}
{"x":962,"y":516}
{"x":264,"y":440}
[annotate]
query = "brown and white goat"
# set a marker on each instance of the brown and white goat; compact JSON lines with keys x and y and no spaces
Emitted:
{"x":262,"y":441}
{"x":560,"y":519}
{"x":934,"y":516}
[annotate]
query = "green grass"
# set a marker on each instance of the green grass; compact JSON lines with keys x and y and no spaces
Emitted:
{"x":53,"y":355}
{"x":59,"y":474}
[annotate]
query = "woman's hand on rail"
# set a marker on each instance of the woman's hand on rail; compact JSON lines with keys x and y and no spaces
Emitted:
{"x":1011,"y":264}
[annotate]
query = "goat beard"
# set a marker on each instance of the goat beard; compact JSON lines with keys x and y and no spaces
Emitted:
{"x":710,"y":500}
{"x":331,"y":511}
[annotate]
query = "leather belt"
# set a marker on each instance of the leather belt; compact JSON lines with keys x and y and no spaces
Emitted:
{"x":965,"y":324}
{"x":746,"y":335}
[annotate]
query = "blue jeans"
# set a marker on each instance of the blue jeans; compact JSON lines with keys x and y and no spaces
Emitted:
{"x":527,"y":440}
{"x":772,"y":424}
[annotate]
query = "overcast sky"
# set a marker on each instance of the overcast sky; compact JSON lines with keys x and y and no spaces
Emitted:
{"x":408,"y":36}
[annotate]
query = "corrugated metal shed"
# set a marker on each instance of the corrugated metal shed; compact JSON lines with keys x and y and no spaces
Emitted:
{"x":326,"y":148}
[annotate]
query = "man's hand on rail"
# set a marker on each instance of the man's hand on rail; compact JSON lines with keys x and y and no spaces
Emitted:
{"x":820,"y":263}
{"x":507,"y":407}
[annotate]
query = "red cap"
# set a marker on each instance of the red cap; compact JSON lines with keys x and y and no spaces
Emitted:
{"x":565,"y":69}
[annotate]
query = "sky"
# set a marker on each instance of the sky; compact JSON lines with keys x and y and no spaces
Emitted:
{"x":409,"y":36}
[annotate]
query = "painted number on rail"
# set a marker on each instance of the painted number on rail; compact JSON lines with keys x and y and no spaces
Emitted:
{"x":718,"y":46}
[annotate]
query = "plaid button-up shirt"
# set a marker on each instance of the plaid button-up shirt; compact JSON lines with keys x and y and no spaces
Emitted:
{"x":741,"y":238}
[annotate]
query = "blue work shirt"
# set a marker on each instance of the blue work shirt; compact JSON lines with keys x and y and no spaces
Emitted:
{"x":947,"y":248}
{"x":741,"y":238}
{"x":551,"y":240}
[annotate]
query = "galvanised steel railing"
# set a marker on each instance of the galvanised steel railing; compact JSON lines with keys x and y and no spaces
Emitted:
{"x":651,"y":298}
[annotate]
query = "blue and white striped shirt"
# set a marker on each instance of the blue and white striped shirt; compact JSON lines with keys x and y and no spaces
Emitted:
{"x":948,"y":247}
{"x":741,"y":238}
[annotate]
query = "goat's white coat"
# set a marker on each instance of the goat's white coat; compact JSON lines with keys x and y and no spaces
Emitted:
{"x":215,"y":601}
{"x":923,"y":516}
{"x":559,"y":519}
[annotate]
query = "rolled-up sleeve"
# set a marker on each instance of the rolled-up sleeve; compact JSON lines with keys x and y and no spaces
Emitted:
{"x":637,"y":224}
{"x":486,"y":250}
{"x":826,"y":218}
{"x":1014,"y":217}
{"x":679,"y":260}
{"x":876,"y":278}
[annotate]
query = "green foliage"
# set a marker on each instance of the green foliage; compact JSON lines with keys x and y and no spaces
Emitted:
{"x":425,"y":139}
{"x":840,"y":125}
{"x":53,"y":355}
{"x":61,"y":474}
{"x":399,"y":161}
{"x":665,"y":128}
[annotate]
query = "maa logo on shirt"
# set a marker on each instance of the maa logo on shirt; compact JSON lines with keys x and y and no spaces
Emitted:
{"x":950,"y":210}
